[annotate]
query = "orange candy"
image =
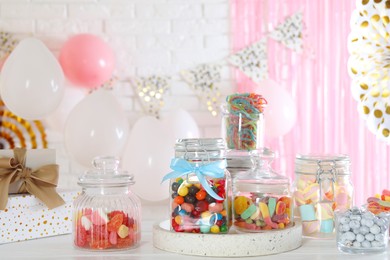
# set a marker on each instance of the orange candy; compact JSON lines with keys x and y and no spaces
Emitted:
{"x":280,"y":208}
{"x":179,"y":200}
{"x":201,"y":195}
{"x":115,"y":223}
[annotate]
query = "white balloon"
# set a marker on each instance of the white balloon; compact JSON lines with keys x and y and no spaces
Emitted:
{"x":150,"y":149}
{"x":72,"y":96}
{"x":181,"y":123}
{"x":280,"y":114}
{"x":147,"y":156}
{"x":32,"y":80}
{"x":97,"y":126}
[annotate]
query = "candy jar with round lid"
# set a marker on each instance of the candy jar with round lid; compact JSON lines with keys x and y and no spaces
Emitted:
{"x":107,"y":214}
{"x":261,"y":198}
{"x":322,"y":185}
{"x":199,"y":187}
{"x":243,"y":121}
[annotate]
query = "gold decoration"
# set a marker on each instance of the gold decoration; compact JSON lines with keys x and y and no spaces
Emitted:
{"x":18,"y":132}
{"x":150,"y":91}
{"x":369,"y":64}
{"x":205,"y":79}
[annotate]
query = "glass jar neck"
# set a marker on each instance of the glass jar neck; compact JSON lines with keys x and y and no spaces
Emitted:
{"x":201,"y":150}
{"x":104,"y":190}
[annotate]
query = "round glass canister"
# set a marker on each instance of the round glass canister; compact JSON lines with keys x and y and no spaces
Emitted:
{"x":243,"y":121}
{"x":322,"y":185}
{"x":200,"y":187}
{"x":261,"y":198}
{"x":107,"y":214}
{"x":360,"y":231}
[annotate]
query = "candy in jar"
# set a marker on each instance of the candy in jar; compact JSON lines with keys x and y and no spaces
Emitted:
{"x":322,"y":185}
{"x":261,"y":198}
{"x":242,"y":121}
{"x":360,"y":231}
{"x":199,"y":187}
{"x":107,"y":214}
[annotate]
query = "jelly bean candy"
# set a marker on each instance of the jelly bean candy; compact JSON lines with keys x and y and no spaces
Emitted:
{"x":179,"y":200}
{"x":201,"y":195}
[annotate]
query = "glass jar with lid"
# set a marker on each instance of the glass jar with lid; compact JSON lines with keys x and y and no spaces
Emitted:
{"x":322,"y":185}
{"x":261,"y":198}
{"x":199,"y":187}
{"x":243,"y":121}
{"x":107,"y":214}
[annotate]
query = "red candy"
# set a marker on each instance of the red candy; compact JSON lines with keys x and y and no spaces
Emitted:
{"x":102,"y":235}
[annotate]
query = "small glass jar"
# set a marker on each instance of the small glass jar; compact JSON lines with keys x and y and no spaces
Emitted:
{"x":199,"y":187}
{"x":322,"y":185}
{"x":107,"y":214}
{"x":261,"y":198}
{"x":243,"y":121}
{"x":360,"y":231}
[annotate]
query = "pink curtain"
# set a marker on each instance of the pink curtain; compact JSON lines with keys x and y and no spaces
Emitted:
{"x":328,"y":121}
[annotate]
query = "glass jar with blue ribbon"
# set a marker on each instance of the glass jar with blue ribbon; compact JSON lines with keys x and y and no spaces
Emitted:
{"x":199,"y":187}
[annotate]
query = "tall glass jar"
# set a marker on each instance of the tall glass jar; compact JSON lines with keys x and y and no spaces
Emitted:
{"x":261,"y":198}
{"x":199,"y":187}
{"x":243,"y":121}
{"x":107,"y":214}
{"x":322,"y":185}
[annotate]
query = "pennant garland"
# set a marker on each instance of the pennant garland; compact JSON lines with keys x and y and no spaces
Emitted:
{"x":204,"y":80}
{"x":252,"y":61}
{"x":290,"y":32}
{"x":7,"y":44}
{"x":150,"y":91}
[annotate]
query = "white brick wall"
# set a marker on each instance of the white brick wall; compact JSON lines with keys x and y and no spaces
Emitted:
{"x":148,"y":37}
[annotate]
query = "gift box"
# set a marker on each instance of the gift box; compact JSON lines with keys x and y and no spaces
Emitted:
{"x":26,"y":217}
{"x":29,"y":171}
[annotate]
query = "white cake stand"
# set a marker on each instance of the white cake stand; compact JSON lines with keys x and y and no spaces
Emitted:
{"x":233,"y":244}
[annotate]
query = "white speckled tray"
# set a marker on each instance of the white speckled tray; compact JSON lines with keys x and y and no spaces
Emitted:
{"x":233,"y":244}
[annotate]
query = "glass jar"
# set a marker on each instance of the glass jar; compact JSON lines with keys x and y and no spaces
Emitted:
{"x":107,"y":214}
{"x":243,"y":121}
{"x":261,"y":198}
{"x":360,"y":231}
{"x":238,"y":161}
{"x":322,"y":185}
{"x":199,"y":187}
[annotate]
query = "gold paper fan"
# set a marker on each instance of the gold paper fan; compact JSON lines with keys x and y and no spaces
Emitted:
{"x":369,"y":64}
{"x":18,"y":132}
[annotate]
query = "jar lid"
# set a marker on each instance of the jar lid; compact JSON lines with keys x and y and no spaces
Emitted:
{"x":312,"y":163}
{"x":106,"y":173}
{"x":261,"y":171}
{"x":200,"y":144}
{"x":242,"y":159}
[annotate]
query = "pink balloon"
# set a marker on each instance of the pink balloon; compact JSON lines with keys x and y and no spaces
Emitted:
{"x":87,"y":60}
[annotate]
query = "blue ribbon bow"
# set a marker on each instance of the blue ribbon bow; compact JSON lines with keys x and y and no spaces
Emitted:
{"x":182,"y":167}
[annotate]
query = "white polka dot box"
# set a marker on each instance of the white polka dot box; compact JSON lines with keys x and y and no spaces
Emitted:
{"x":26,"y":217}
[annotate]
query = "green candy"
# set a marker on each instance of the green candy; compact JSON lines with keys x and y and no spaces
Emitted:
{"x":248,"y":212}
{"x":271,"y":206}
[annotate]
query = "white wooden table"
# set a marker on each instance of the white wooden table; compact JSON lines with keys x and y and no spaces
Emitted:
{"x":61,"y":247}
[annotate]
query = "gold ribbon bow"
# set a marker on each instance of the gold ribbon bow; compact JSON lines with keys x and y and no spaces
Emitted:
{"x":41,"y":182}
